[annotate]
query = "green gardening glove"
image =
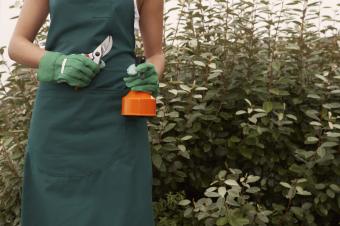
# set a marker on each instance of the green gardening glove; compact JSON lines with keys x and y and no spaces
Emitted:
{"x":74,"y":69}
{"x":142,"y":77}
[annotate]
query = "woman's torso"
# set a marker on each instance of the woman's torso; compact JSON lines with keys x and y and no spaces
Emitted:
{"x":79,"y":26}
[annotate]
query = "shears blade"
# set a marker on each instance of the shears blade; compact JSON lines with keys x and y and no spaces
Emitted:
{"x":103,"y":49}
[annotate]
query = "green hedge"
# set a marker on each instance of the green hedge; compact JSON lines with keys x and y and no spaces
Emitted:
{"x":247,"y":128}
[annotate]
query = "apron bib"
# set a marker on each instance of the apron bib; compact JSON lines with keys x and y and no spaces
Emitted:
{"x":85,"y":163}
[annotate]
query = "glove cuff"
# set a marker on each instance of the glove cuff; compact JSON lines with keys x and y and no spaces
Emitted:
{"x":47,"y":66}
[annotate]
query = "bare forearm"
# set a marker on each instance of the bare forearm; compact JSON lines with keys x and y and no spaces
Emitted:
{"x":25,"y":52}
{"x":159,"y":61}
{"x":151,"y":28}
{"x":21,"y":47}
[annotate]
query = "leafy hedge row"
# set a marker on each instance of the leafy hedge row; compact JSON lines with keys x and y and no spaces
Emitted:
{"x":247,"y":129}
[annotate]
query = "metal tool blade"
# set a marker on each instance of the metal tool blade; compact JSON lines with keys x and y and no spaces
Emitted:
{"x":101,"y":50}
{"x":106,"y":45}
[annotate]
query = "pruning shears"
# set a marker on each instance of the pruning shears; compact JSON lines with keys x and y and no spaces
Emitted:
{"x":102,"y":49}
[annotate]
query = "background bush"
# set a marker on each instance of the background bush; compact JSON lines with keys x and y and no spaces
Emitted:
{"x":247,"y":128}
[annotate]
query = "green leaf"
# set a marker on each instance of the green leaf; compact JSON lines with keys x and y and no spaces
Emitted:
{"x":262,"y":217}
{"x":235,"y":171}
{"x":301,"y":180}
{"x":246,"y":152}
{"x":199,"y":63}
{"x":253,"y":190}
{"x":321,"y":152}
{"x":291,"y":193}
{"x":184,"y":202}
{"x":187,"y":137}
{"x":201,"y":88}
{"x":240,"y":112}
{"x":300,"y":191}
{"x":267,"y":106}
{"x":185,"y":154}
{"x":157,"y":160}
{"x":211,"y":194}
{"x":330,"y":193}
{"x":222,"y":174}
{"x":297,"y":211}
{"x":260,"y":110}
{"x":311,"y":140}
{"x":169,"y":139}
{"x":331,"y":105}
{"x":329,"y":144}
{"x":320,"y":186}
{"x":312,"y":114}
{"x":313,"y":96}
{"x":234,"y":139}
{"x":213,"y":75}
{"x":292,"y":46}
{"x":248,"y":101}
{"x":222,"y":221}
{"x":315,"y":123}
{"x":181,"y":147}
{"x":230,"y":201}
{"x":173,"y":114}
{"x":202,"y":215}
{"x":278,"y":92}
{"x":231,"y":182}
{"x":188,"y":211}
{"x":333,"y":134}
{"x":292,"y":117}
{"x":252,"y":179}
{"x":185,"y":88}
{"x":321,"y":77}
{"x":169,"y":127}
{"x":335,"y":91}
{"x":212,"y":65}
{"x":285,"y":184}
{"x":222,"y":191}
{"x":173,"y":91}
{"x":335,"y":187}
{"x":238,"y":221}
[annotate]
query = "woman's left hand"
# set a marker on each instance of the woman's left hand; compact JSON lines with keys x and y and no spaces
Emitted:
{"x":143,"y":77}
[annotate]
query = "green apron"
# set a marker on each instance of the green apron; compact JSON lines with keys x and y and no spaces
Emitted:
{"x":85,"y":163}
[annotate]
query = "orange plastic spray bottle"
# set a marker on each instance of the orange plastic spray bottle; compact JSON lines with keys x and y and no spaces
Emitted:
{"x":138,"y":103}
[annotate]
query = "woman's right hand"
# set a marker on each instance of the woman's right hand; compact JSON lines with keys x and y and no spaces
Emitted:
{"x":74,"y":69}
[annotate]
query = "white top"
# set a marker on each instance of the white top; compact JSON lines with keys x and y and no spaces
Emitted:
{"x":136,"y":23}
